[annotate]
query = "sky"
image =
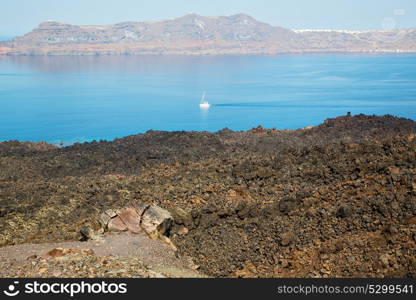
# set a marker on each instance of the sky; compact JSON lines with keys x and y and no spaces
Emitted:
{"x":18,"y":17}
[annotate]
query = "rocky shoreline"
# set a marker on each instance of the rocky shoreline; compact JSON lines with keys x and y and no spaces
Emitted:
{"x":335,"y":200}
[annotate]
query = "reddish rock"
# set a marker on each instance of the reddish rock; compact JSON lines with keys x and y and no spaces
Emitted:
{"x":116,"y":224}
{"x":131,"y":219}
{"x":411,"y":221}
{"x":151,"y":219}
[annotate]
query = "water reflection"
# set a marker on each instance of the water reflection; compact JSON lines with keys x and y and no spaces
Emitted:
{"x":204,"y":110}
{"x":123,"y":64}
{"x":203,"y":115}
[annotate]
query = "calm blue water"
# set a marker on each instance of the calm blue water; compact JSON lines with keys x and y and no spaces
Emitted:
{"x":72,"y":99}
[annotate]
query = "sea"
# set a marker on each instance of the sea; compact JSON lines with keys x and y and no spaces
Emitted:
{"x":66,"y":100}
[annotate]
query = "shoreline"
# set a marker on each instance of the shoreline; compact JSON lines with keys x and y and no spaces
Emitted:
{"x":282,"y":54}
{"x":259,"y":128}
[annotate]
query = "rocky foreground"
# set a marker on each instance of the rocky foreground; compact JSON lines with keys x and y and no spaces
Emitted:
{"x":336,"y":200}
{"x":193,"y":34}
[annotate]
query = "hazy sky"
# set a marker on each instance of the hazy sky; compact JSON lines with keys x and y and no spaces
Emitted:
{"x":20,"y":16}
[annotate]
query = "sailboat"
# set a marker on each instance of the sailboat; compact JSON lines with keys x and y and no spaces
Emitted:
{"x":203,"y":103}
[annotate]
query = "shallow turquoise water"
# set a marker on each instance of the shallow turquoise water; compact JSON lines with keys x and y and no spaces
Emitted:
{"x":72,"y":99}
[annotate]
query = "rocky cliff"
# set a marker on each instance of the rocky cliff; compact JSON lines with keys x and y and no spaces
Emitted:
{"x":199,"y":35}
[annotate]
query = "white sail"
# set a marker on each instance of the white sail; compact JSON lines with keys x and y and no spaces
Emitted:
{"x":203,"y":103}
{"x":203,"y":97}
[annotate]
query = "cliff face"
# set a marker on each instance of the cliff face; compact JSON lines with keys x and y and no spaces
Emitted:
{"x":194,"y":34}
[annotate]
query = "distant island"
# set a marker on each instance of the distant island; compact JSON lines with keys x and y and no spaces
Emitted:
{"x":198,"y":35}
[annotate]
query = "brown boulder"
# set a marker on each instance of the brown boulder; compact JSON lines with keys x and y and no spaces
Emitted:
{"x":116,"y":224}
{"x":131,"y":219}
{"x":151,"y":219}
{"x":156,"y":219}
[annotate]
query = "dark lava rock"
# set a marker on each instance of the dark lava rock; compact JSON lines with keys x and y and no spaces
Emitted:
{"x":86,"y":232}
{"x":344,"y":211}
{"x":234,"y":196}
{"x":287,"y":204}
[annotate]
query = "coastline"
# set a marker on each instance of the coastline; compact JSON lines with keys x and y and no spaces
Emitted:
{"x":259,"y":128}
{"x":9,"y":53}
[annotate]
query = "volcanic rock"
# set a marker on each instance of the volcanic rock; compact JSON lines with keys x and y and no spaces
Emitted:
{"x":330,"y":186}
{"x":344,"y":211}
{"x":150,"y":219}
{"x":156,"y":219}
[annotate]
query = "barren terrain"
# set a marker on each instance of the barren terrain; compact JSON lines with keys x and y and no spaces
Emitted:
{"x":336,"y":200}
